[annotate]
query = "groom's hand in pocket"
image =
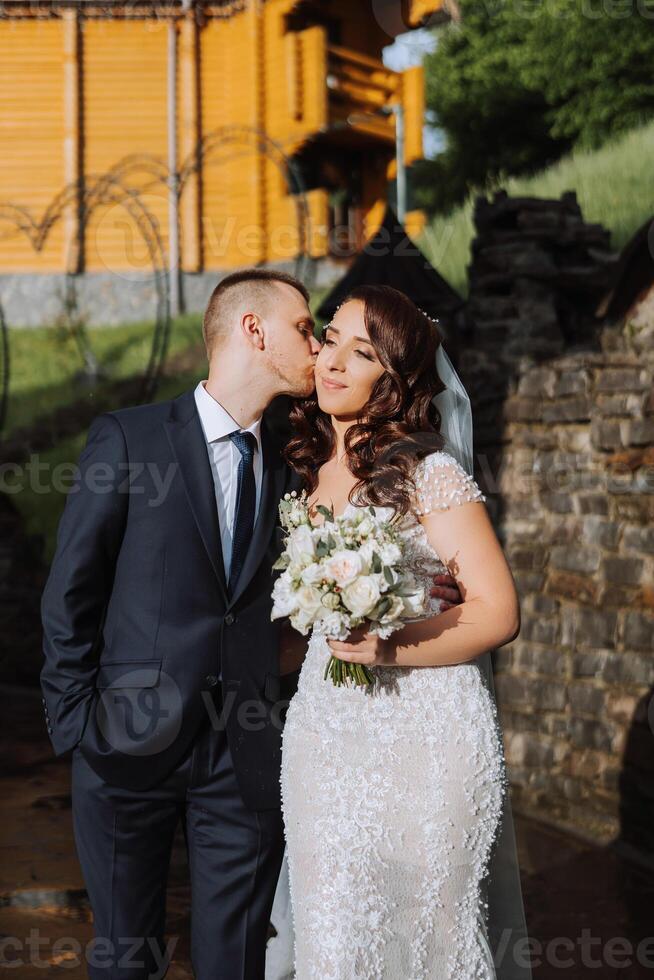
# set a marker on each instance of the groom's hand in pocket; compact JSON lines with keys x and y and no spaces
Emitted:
{"x":446,"y":589}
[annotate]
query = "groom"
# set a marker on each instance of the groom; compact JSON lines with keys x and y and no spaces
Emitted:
{"x":162,"y":667}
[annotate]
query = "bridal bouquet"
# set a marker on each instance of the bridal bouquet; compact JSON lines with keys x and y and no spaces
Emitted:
{"x":343,"y":573}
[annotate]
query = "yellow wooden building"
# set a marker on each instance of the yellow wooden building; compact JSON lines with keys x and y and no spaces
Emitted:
{"x":267,"y":110}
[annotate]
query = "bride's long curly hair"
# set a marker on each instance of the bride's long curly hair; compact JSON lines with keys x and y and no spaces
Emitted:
{"x":398,"y":426}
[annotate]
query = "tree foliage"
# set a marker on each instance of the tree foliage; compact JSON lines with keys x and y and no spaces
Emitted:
{"x":515,"y":85}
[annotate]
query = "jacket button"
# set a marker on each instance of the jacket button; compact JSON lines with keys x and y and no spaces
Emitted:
{"x":229,"y":619}
{"x":212,"y":680}
{"x":49,"y":729}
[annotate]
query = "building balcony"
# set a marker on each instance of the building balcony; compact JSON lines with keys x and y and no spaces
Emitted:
{"x":358,"y":88}
{"x":338,"y":93}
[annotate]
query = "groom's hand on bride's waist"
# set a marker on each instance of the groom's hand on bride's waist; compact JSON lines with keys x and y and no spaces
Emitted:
{"x":446,"y":589}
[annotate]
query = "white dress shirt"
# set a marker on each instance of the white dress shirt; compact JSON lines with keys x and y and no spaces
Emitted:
{"x":224,"y":458}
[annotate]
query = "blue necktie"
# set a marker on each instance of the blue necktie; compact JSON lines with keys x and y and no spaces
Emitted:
{"x":246,"y":444}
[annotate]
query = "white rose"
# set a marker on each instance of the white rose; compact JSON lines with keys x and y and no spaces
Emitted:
{"x":301,"y":623}
{"x":309,"y":600}
{"x":361,"y":596}
{"x":344,"y":567}
{"x":300,"y":546}
{"x":284,"y":597}
{"x":312,"y":574}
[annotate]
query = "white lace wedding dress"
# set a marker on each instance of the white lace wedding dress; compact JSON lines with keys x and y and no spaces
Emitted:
{"x":392,"y":799}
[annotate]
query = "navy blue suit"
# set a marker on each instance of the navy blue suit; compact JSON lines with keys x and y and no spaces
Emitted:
{"x":138,"y":626}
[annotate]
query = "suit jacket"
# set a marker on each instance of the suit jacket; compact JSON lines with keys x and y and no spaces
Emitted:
{"x":137,"y":622}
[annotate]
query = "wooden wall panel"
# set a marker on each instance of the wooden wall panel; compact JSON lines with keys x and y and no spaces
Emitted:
{"x":125,"y":70}
{"x":249,"y":73}
{"x":32,"y":137}
{"x":229,"y":178}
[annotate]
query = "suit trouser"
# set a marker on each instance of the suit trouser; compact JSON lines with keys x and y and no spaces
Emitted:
{"x":124,"y":840}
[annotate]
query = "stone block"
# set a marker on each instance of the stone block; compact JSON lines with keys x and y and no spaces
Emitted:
{"x":586,"y":698}
{"x":623,"y":379}
{"x":604,"y":534}
{"x":573,"y":558}
{"x":558,"y":503}
{"x":539,"y":630}
{"x":589,"y":663}
{"x":636,"y":538}
{"x":595,"y":628}
{"x":592,"y":734}
{"x":574,"y":409}
{"x":572,"y":382}
{"x":527,"y":559}
{"x":606,"y":434}
{"x":573,"y":588}
{"x":622,"y":571}
{"x":593,"y":503}
{"x":639,"y":432}
{"x":638,"y":631}
{"x":629,"y":669}
{"x":540,"y":381}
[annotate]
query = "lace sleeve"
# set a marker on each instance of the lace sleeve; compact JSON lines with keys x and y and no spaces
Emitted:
{"x":441,"y":481}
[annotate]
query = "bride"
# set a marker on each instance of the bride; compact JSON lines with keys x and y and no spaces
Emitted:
{"x":394,"y":796}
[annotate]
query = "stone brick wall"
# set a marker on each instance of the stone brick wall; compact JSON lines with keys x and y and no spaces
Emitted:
{"x":564,"y":423}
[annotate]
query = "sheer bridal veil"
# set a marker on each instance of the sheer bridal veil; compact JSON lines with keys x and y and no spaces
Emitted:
{"x":507,"y":931}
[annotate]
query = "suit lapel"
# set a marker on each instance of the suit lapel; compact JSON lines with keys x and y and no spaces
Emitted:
{"x":184,"y":431}
{"x":273,"y":482}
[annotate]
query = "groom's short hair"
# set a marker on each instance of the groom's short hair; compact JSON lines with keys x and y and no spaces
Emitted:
{"x":256,"y":284}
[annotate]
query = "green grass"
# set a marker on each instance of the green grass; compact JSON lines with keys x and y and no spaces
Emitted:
{"x":45,"y":362}
{"x":614,"y":186}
